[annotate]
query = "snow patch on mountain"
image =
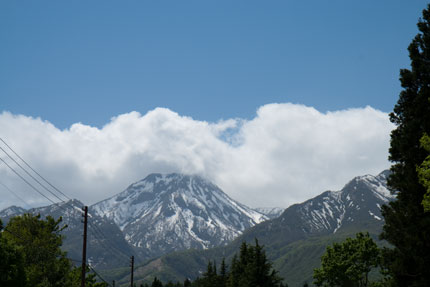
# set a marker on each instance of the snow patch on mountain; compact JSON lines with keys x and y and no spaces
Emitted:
{"x":167,"y":212}
{"x":360,"y":198}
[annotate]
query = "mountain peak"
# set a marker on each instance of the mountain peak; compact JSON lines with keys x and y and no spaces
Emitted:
{"x":166,"y":212}
{"x":11,"y":211}
{"x":369,"y":183}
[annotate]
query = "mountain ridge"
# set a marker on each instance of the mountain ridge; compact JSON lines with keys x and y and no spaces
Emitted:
{"x":304,"y":228}
{"x":167,"y":212}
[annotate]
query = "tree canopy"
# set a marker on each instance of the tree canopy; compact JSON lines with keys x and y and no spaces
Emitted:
{"x":31,"y":255}
{"x":11,"y":263}
{"x":407,"y":226}
{"x":424,"y":172}
{"x":348,"y":263}
{"x":44,"y":262}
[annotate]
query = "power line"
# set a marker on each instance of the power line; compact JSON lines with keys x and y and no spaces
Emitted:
{"x":20,"y":176}
{"x":36,"y":189}
{"x":35,"y":178}
{"x":17,"y":163}
{"x":115,"y":251}
{"x":71,"y":259}
{"x":60,"y":199}
{"x":60,"y":206}
{"x":34,"y":170}
{"x":14,"y":193}
{"x":99,"y":275}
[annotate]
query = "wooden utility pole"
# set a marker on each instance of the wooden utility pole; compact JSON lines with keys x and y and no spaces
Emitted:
{"x":113,"y":283}
{"x":84,"y":247}
{"x":132,"y":270}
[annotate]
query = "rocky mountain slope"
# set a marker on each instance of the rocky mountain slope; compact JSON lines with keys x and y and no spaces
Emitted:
{"x":154,"y":216}
{"x":270,"y":212}
{"x":295,"y":240}
{"x":164,"y":213}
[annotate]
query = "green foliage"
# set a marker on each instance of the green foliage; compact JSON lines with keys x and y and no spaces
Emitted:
{"x":31,"y":255}
{"x":407,"y":226}
{"x":250,"y":269}
{"x":45,"y":264}
{"x":74,"y":278}
{"x":11,"y":264}
{"x":348,"y":263}
{"x":253,"y":268}
{"x":424,"y":172}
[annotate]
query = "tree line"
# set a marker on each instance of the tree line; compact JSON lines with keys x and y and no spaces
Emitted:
{"x":248,"y":268}
{"x":31,"y":256}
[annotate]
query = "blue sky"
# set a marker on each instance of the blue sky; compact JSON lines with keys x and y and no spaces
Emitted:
{"x":274,"y":101}
{"x":87,"y":61}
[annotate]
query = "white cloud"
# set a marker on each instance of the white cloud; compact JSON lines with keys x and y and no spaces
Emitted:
{"x":286,"y":154}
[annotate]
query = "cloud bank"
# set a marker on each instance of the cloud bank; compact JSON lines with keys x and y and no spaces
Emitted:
{"x":286,"y":154}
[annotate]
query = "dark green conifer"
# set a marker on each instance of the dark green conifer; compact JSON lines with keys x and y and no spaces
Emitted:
{"x":187,"y":283}
{"x":156,"y":283}
{"x":223,"y":274}
{"x":407,"y":227}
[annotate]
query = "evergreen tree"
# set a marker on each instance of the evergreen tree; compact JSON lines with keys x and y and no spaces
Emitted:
{"x":223,"y":274}
{"x":233,"y":278}
{"x":156,"y":283}
{"x":210,"y":277}
{"x":407,"y":226}
{"x":252,"y":269}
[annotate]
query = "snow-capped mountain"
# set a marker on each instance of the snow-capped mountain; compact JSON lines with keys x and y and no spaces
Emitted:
{"x":302,"y":230}
{"x":357,"y":206}
{"x":11,"y":211}
{"x":163,"y":213}
{"x":270,"y":212}
{"x":360,"y":200}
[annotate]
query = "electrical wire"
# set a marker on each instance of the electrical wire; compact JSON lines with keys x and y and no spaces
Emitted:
{"x":17,"y":163}
{"x":71,"y":259}
{"x":120,"y":252}
{"x":98,"y":275}
{"x":62,"y":207}
{"x":32,"y":186}
{"x":38,"y":174}
{"x":115,"y":251}
{"x":14,"y":193}
{"x":35,"y":170}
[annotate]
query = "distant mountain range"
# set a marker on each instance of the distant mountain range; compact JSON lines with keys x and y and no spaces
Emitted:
{"x":188,"y":214}
{"x":152,"y":217}
{"x":295,"y":240}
